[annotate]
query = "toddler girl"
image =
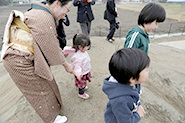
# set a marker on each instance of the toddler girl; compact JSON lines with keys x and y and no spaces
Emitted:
{"x":81,"y":62}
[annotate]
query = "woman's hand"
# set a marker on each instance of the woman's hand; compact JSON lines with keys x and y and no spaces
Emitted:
{"x":68,"y":67}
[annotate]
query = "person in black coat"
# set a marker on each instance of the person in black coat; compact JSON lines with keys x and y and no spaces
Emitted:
{"x":84,"y":14}
{"x":110,"y":15}
{"x":61,"y":32}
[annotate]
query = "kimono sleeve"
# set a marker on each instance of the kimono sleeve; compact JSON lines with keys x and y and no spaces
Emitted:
{"x":43,"y":29}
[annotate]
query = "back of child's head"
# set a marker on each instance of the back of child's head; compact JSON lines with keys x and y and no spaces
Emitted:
{"x":80,"y":40}
{"x":150,"y":13}
{"x":127,"y":63}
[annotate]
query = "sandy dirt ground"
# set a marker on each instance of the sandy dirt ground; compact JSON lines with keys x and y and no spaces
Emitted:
{"x":163,"y":95}
{"x":171,"y":9}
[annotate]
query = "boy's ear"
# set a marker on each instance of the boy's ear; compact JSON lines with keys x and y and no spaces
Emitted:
{"x":132,"y":81}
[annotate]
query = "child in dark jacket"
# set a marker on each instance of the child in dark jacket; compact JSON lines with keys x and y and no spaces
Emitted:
{"x":128,"y":68}
{"x":148,"y":20}
{"x":110,"y":15}
{"x":61,"y":32}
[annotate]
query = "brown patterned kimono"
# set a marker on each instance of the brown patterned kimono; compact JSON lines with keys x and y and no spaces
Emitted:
{"x":31,"y":72}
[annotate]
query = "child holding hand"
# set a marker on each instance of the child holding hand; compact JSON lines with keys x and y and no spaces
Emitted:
{"x":81,"y":62}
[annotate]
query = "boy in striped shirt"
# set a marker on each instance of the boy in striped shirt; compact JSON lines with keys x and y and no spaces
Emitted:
{"x":148,"y":20}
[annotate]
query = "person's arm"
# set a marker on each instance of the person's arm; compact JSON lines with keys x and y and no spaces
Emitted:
{"x":66,"y":21}
{"x":43,"y":30}
{"x":111,"y":8}
{"x":76,"y":2}
{"x":122,"y":111}
{"x":132,"y":41}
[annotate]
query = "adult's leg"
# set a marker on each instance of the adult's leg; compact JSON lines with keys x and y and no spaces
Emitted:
{"x":84,"y":28}
{"x":111,"y":30}
{"x":89,"y":27}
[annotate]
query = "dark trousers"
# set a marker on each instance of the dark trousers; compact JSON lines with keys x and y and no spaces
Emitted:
{"x":62,"y":42}
{"x":112,"y":29}
{"x":86,"y":28}
{"x":81,"y":91}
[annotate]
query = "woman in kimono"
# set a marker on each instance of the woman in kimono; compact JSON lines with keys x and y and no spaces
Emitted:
{"x":30,"y":48}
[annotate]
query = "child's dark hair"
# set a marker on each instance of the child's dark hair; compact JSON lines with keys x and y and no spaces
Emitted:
{"x":150,"y":13}
{"x":80,"y":40}
{"x":127,"y":63}
{"x":63,"y":2}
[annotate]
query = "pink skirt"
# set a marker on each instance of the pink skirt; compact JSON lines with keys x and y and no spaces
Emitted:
{"x":82,"y":83}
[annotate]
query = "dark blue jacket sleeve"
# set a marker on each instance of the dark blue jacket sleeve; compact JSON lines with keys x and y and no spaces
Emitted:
{"x":122,"y":111}
{"x":66,"y":21}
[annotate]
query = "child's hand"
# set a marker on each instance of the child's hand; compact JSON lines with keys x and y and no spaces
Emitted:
{"x":141,"y":111}
{"x":79,"y":77}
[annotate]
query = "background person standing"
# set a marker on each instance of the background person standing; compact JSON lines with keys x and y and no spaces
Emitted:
{"x":84,"y":14}
{"x":110,"y":15}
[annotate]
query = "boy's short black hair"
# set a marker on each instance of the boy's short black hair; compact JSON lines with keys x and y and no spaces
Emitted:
{"x":150,"y":13}
{"x":81,"y":40}
{"x":127,"y":63}
{"x":63,"y":2}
